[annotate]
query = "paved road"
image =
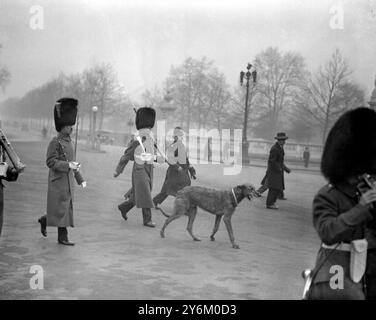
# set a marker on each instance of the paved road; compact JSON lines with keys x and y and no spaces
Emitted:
{"x":117,"y":259}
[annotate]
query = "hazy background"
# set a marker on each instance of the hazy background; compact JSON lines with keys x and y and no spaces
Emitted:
{"x":142,"y":39}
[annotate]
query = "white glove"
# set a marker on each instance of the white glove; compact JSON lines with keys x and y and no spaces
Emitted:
{"x":74,"y":165}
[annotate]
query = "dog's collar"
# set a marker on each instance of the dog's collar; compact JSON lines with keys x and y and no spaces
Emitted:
{"x":234,"y":196}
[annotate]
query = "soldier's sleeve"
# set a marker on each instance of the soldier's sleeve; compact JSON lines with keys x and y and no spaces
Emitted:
{"x":53,"y":160}
{"x":127,"y":156}
{"x":12,"y":173}
{"x":331,"y":226}
{"x":285,"y":168}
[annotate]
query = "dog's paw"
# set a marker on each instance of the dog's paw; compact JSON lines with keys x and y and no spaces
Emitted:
{"x":196,"y":239}
{"x":212,"y":238}
{"x":235,"y":246}
{"x":162,"y":234}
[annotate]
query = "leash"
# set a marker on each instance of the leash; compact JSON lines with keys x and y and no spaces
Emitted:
{"x":236,"y":200}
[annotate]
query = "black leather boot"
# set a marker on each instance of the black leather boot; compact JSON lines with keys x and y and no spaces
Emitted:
{"x":62,"y":236}
{"x":43,"y":225}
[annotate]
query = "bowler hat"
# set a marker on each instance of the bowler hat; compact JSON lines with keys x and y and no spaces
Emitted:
{"x":281,"y":136}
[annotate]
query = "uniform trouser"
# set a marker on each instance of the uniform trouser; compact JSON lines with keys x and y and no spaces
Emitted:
{"x":1,"y":208}
{"x":127,"y":205}
{"x":160,"y":197}
{"x":272,"y":196}
{"x":371,"y":275}
{"x":62,"y":232}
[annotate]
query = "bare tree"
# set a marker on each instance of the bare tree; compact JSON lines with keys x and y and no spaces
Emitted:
{"x":100,"y":85}
{"x":280,"y":79}
{"x":200,"y":92}
{"x":4,"y":76}
{"x":330,"y":93}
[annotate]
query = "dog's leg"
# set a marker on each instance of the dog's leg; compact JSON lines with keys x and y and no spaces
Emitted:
{"x":227,"y":221}
{"x":192,"y":216}
{"x":167,"y":222}
{"x":216,"y":226}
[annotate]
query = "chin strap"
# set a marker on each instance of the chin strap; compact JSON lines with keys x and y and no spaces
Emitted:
{"x":233,"y":194}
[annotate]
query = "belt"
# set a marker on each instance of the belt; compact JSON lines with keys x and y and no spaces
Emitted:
{"x":342,"y":246}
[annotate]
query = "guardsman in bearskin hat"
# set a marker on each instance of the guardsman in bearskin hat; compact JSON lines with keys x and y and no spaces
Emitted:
{"x":60,"y":161}
{"x":179,"y":172}
{"x":343,"y":216}
{"x":141,"y":150}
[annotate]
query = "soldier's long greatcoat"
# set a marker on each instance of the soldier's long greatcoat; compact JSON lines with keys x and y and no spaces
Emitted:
{"x":11,"y":176}
{"x":142,"y":173}
{"x":60,"y":182}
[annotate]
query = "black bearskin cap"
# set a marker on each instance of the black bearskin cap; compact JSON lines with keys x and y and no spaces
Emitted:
{"x":145,"y":118}
{"x":65,"y":112}
{"x":350,"y":148}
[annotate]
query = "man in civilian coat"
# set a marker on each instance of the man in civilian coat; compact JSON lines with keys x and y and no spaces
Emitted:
{"x":179,"y":170}
{"x":59,"y":159}
{"x":275,"y":172}
{"x":141,"y":150}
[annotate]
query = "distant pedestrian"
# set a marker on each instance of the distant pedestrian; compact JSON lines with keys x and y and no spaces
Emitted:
{"x":306,"y":156}
{"x":44,"y":132}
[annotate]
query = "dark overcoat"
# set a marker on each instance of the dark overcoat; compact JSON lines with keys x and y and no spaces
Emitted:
{"x":274,"y":178}
{"x":337,"y":217}
{"x":142,"y":174}
{"x":60,"y":182}
{"x":177,"y":175}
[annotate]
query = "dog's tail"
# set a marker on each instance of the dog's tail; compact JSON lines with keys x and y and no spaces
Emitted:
{"x":163,"y":212}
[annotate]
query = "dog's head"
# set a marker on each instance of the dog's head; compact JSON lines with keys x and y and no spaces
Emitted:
{"x":249,"y":191}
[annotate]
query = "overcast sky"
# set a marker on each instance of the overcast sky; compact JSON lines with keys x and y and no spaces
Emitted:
{"x":142,"y":39}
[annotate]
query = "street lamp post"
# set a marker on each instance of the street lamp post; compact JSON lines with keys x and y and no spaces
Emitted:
{"x":167,"y":107}
{"x":95,"y":110}
{"x":247,"y":75}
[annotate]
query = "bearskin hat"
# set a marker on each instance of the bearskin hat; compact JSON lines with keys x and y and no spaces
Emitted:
{"x":145,"y":118}
{"x":65,"y":112}
{"x":350,"y":148}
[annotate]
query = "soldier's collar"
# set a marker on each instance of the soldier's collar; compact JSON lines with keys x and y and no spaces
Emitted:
{"x":347,"y":189}
{"x":65,"y":137}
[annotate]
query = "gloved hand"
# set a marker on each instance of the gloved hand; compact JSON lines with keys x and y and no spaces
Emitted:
{"x":74,"y":165}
